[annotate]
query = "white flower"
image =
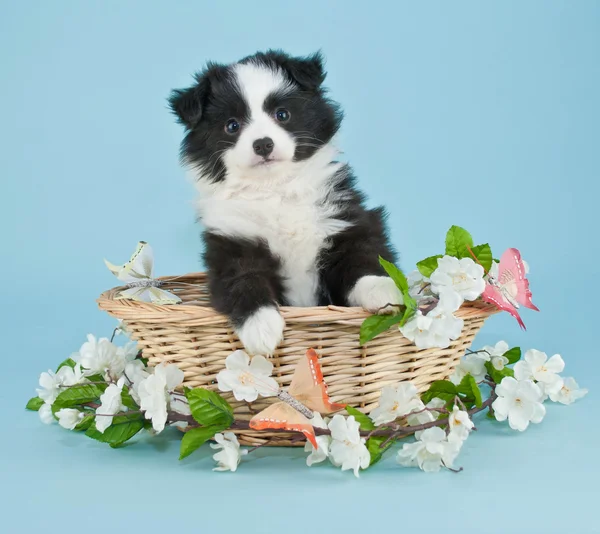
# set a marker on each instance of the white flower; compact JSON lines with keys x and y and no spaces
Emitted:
{"x":69,"y":418}
{"x":463,"y":276}
{"x":53,"y":383}
{"x":103,"y":357}
{"x":437,"y":328}
{"x":395,"y":402}
{"x":426,"y":416}
{"x":473,"y":364}
{"x":569,"y":392}
{"x":110,"y":404}
{"x":320,"y":453}
{"x":459,"y":423}
{"x":495,"y":354}
{"x":247,"y":379}
{"x":121,"y":329}
{"x":536,"y":366}
{"x":154,"y":392}
{"x":45,"y":413}
{"x":347,"y":449}
{"x":229,"y":457}
{"x":135,"y":372}
{"x":520,"y":401}
{"x":418,"y":285}
{"x":431,"y":451}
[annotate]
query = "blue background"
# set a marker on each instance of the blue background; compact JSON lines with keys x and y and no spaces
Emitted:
{"x":473,"y":113}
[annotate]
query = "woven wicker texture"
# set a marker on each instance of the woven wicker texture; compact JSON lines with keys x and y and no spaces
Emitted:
{"x":197,"y":339}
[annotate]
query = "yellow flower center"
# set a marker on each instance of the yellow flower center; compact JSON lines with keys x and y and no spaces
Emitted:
{"x":395,"y":407}
{"x":518,"y":401}
{"x":459,"y":279}
{"x":246,"y":378}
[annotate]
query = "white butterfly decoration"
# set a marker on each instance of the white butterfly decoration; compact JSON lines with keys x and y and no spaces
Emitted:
{"x":137,"y":274}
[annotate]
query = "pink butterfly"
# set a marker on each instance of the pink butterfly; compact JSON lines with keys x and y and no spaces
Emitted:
{"x":511,"y":288}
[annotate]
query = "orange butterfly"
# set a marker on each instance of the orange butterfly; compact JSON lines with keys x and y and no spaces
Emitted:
{"x":307,"y":393}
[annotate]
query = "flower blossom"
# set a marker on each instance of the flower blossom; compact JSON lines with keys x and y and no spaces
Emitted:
{"x":432,"y":450}
{"x":519,"y":401}
{"x":473,"y":364}
{"x":464,"y":277}
{"x":247,"y":380}
{"x":569,"y":392}
{"x":69,"y":418}
{"x":459,"y":423}
{"x":347,"y":449}
{"x":396,"y":401}
{"x":110,"y":404}
{"x":154,"y":393}
{"x":230,"y":454}
{"x":536,"y":366}
{"x":438,"y":328}
{"x":495,"y":354}
{"x":101,"y":356}
{"x":422,"y":415}
{"x":51,"y":384}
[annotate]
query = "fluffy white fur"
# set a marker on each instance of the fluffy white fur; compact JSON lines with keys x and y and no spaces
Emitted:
{"x":374,"y":292}
{"x":285,"y":210}
{"x":262,"y":331}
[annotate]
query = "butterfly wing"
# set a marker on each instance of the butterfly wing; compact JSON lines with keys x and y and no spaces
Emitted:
{"x":160,"y":296}
{"x":282,"y":416}
{"x":511,"y":276}
{"x":141,"y":294}
{"x":493,"y":295}
{"x":308,"y":386}
{"x":138,"y":267}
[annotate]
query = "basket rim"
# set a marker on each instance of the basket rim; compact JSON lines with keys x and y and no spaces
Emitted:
{"x":128,"y":309}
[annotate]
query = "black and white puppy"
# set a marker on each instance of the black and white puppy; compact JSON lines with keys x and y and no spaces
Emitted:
{"x":284,"y":222}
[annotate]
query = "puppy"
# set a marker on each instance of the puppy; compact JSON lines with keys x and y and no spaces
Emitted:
{"x":284,"y":222}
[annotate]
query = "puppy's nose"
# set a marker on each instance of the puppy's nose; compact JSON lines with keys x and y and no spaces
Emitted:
{"x":263,"y":147}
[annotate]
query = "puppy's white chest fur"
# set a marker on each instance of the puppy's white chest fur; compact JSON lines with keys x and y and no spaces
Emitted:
{"x":290,"y":215}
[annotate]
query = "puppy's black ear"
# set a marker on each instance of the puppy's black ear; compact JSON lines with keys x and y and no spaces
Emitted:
{"x":188,"y":104}
{"x":308,"y":72}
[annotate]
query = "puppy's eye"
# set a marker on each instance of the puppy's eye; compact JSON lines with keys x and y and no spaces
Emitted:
{"x":282,"y":115}
{"x":232,"y":126}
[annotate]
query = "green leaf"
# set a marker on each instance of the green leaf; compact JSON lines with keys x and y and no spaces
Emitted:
{"x":469,"y":388}
{"x":77,"y":395}
{"x":96,"y":378}
{"x":428,"y":265}
{"x":395,"y":274}
{"x":209,"y":408}
{"x":443,"y":389}
{"x":483,"y":253}
{"x":67,"y":363}
{"x":85,"y":423}
{"x":411,"y":309}
{"x":457,"y":240}
{"x":376,"y":324}
{"x":34,"y":404}
{"x":364,"y":420}
{"x":127,"y":400}
{"x":496,"y":375}
{"x":374,"y":447}
{"x":123,"y":428}
{"x":513,"y":355}
{"x":196,"y":437}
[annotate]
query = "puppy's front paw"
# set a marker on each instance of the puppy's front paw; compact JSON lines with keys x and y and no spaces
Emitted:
{"x":377,"y":294}
{"x":262,"y":331}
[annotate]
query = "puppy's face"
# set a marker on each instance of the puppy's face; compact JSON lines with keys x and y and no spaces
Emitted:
{"x":255,"y":118}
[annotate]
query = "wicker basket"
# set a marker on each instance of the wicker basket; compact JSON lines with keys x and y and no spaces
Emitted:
{"x":197,"y":339}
